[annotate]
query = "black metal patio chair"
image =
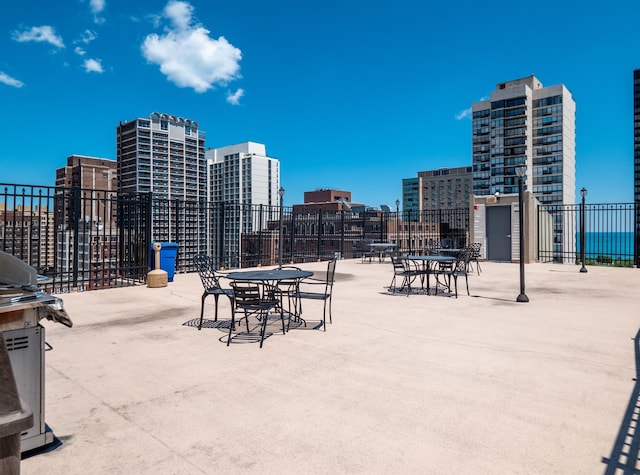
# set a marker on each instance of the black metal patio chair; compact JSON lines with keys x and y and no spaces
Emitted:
{"x":255,"y":300}
{"x":475,"y":256}
{"x":210,"y":281}
{"x":402,"y":269}
{"x":457,"y":268}
{"x":325,"y":284}
{"x":289,"y":289}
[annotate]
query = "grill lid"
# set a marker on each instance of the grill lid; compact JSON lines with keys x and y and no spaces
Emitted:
{"x":17,"y":274}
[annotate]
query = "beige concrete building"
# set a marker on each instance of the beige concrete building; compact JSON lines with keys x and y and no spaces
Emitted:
{"x":525,"y":124}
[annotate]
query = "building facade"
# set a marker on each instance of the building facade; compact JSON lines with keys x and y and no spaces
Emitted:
{"x":446,"y":188}
{"x":88,"y":172}
{"x":164,"y":155}
{"x":412,"y":197}
{"x":95,"y":176}
{"x":28,"y":233}
{"x":243,"y":176}
{"x":525,"y":124}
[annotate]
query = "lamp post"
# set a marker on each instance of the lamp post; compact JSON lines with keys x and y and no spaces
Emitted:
{"x":583,"y":193}
{"x":398,"y":224}
{"x":520,"y":171}
{"x":281,"y":193}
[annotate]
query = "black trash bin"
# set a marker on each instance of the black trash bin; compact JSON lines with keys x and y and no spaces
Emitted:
{"x":14,"y":417}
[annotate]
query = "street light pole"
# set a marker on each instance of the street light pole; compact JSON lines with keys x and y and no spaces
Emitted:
{"x":398,"y":224}
{"x":583,"y":193}
{"x":281,"y":193}
{"x":520,"y":171}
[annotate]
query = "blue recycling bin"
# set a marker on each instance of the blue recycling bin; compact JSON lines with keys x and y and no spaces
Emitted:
{"x":168,"y":254}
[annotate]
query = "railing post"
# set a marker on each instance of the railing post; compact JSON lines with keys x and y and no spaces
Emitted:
{"x":280,"y":234}
{"x":520,"y":171}
{"x":260,"y":236}
{"x":636,"y":233}
{"x":148,"y":207}
{"x":319,"y":234}
{"x":75,"y":222}
{"x":409,"y":221}
{"x":583,"y":193}
{"x":342,"y":233}
{"x":222,"y":249}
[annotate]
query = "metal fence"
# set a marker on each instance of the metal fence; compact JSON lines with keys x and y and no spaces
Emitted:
{"x":80,"y":239}
{"x":239,"y":235}
{"x":89,"y":239}
{"x":607,"y":230}
{"x":86,"y":239}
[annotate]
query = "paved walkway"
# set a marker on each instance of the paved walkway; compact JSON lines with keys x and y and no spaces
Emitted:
{"x":397,"y":384}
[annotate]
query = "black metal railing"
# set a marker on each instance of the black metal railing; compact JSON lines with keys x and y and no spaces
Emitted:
{"x":609,"y":233}
{"x":91,"y":239}
{"x":80,"y":239}
{"x":240,"y":235}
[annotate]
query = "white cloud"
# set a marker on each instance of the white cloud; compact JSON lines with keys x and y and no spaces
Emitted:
{"x":44,"y":33}
{"x":463,"y":114}
{"x":467,"y":112}
{"x":87,"y":37}
{"x":97,"y":6}
{"x":180,"y":14}
{"x":234,"y":97}
{"x":187,"y":56}
{"x":79,"y":51}
{"x":9,"y":81}
{"x":93,"y":66}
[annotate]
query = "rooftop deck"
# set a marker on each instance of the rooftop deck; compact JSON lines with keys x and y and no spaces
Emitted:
{"x":397,"y":384}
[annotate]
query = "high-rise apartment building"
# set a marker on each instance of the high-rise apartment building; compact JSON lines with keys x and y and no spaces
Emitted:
{"x":89,"y":173}
{"x":243,"y":176}
{"x":412,"y":197}
{"x":524,"y":123}
{"x":164,"y":154}
{"x":86,"y":219}
{"x":446,"y":188}
{"x":441,"y":189}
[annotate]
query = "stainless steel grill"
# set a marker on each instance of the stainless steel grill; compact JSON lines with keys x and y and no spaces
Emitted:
{"x":22,"y":307}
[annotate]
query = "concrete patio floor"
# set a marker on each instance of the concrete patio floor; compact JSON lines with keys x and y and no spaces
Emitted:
{"x":397,"y":384}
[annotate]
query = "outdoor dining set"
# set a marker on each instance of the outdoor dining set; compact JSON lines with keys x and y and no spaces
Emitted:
{"x":263,"y":294}
{"x":434,"y":272}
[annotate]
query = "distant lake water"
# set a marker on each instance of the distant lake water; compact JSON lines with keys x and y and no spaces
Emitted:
{"x":614,"y":244}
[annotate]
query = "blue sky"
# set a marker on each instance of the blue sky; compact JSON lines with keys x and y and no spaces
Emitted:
{"x":354,"y":95}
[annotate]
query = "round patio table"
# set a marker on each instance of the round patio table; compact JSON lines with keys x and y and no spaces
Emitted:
{"x":427,"y":263}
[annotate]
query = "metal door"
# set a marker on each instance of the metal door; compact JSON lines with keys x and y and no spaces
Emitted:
{"x":499,"y":233}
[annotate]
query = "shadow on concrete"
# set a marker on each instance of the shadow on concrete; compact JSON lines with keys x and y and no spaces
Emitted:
{"x":254,"y":335}
{"x":624,"y":454}
{"x":221,"y":324}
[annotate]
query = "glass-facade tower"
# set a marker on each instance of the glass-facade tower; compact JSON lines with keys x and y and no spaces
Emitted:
{"x":524,"y":123}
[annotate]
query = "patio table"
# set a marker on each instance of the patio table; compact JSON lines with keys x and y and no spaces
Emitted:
{"x":272,"y":277}
{"x":427,"y":263}
{"x":269,"y":275}
{"x":382,"y":248}
{"x":448,"y":251}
